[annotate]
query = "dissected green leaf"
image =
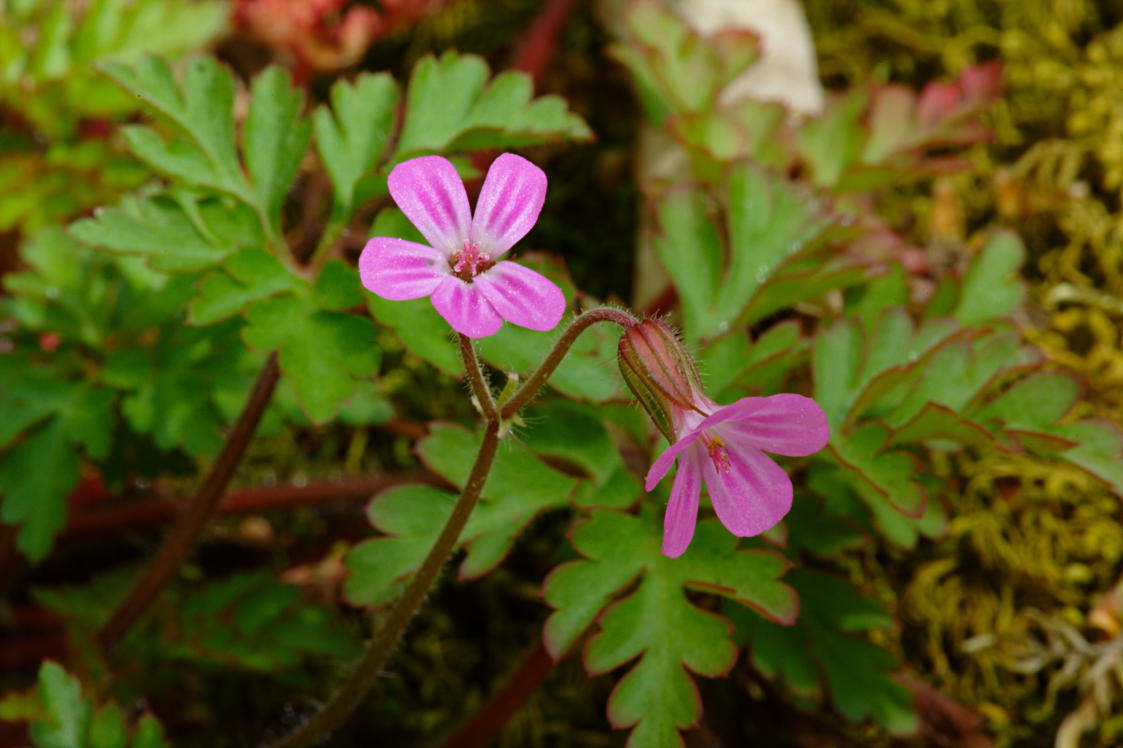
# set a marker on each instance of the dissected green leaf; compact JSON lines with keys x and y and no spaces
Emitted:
{"x":518,"y":489}
{"x":833,"y":141}
{"x":246,"y":277}
{"x":770,"y":221}
{"x":352,"y":135}
{"x":676,"y":68}
{"x":688,"y":245}
{"x":68,"y":713}
{"x":821,"y":651}
{"x":275,"y":138}
{"x":172,"y":235}
{"x":450,"y":106}
{"x":656,"y":622}
{"x":992,"y":287}
{"x":588,"y":371}
{"x":253,"y":622}
{"x":889,"y":472}
{"x":411,"y":518}
{"x":38,"y":472}
{"x":65,"y":718}
{"x":772,"y":229}
{"x":202,"y":107}
{"x":173,"y":387}
{"x":322,"y":351}
{"x":51,"y":48}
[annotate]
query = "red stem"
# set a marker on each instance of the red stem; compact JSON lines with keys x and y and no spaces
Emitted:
{"x":191,"y":521}
{"x":541,"y":39}
{"x":247,"y":501}
{"x":515,"y":691}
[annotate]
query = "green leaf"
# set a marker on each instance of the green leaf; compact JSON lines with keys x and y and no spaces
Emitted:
{"x":801,"y":283}
{"x":68,"y":713}
{"x":149,"y":733}
{"x":1099,"y":450}
{"x":352,"y":135}
{"x":992,"y":287}
{"x":337,"y":287}
{"x":253,"y":622}
{"x":1034,"y":401}
{"x":63,"y":718}
{"x":836,"y":361}
{"x":588,"y":372}
{"x":202,"y":107}
{"x":173,"y":387}
{"x":35,"y":477}
{"x":451,"y":107}
{"x":770,"y":221}
{"x":108,"y":729}
{"x":656,"y":622}
{"x":165,"y":232}
{"x":275,"y":138}
{"x":677,"y":69}
{"x":773,"y":228}
{"x":735,"y":131}
{"x":864,"y":454}
{"x":832,"y":141}
{"x":821,"y":651}
{"x":322,"y":352}
{"x":518,"y":489}
{"x":411,"y":517}
{"x":247,"y":276}
{"x":570,"y":435}
{"x":687,"y":243}
{"x":421,"y":330}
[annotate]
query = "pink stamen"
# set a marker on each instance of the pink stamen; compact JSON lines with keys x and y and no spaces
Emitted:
{"x":719,"y":455}
{"x":470,"y":261}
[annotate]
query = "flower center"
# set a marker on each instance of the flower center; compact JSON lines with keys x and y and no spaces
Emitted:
{"x":719,"y":455}
{"x":469,"y":262}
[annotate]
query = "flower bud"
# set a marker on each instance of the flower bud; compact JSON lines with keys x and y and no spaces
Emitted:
{"x":661,"y":374}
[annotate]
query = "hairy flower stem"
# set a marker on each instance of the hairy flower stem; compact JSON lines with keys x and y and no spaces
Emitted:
{"x":527,"y":392}
{"x":194,"y":517}
{"x":378,"y":650}
{"x":476,"y":376}
{"x":382,"y":644}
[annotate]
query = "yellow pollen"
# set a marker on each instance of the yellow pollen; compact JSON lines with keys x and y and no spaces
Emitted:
{"x":719,"y":455}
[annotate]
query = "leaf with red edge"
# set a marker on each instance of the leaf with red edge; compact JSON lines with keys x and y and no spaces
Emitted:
{"x":656,"y":622}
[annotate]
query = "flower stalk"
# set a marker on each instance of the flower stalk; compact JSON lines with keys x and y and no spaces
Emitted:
{"x":382,"y":644}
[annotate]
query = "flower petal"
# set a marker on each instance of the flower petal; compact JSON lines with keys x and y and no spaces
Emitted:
{"x":522,"y":296}
{"x":752,"y":494}
{"x":509,"y":203}
{"x":791,"y":425}
{"x":663,"y":462}
{"x":682,"y":508}
{"x":464,"y":307}
{"x":396,"y":269}
{"x":431,"y":194}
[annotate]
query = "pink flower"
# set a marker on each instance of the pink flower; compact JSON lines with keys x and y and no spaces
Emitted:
{"x":725,"y":445}
{"x":460,"y":271}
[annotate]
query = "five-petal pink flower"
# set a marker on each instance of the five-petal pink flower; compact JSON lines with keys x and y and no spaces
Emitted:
{"x":725,"y":446}
{"x":461,"y":271}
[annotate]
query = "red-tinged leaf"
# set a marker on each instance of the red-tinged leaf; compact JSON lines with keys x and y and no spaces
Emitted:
{"x":656,"y":622}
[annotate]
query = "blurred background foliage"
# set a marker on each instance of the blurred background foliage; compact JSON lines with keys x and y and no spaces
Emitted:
{"x":1017,"y":612}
